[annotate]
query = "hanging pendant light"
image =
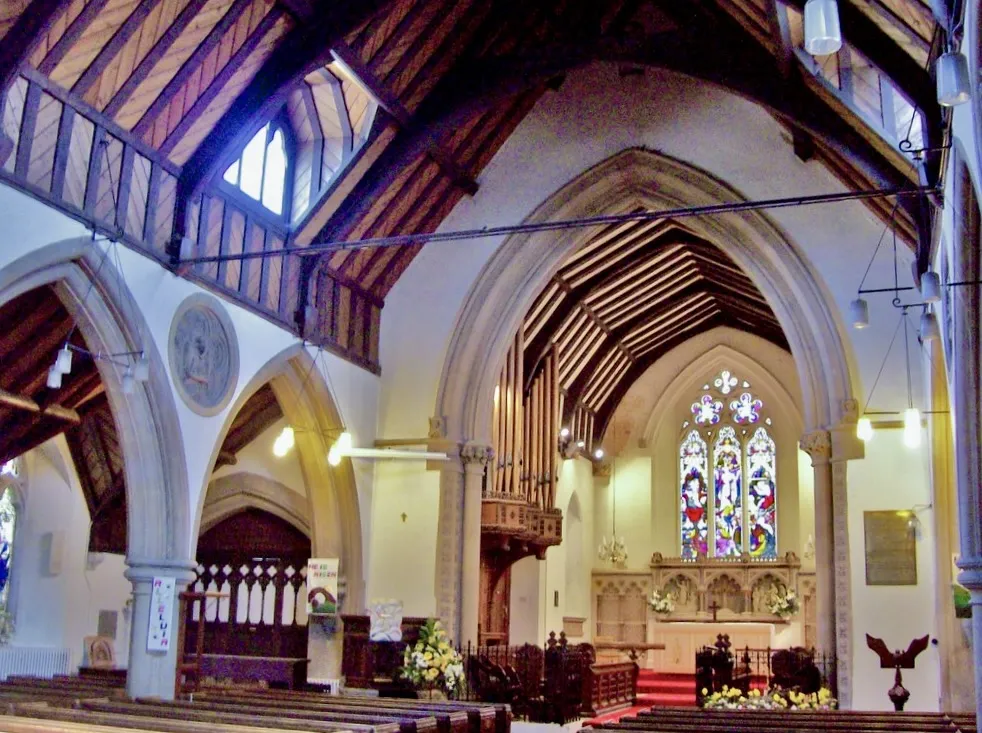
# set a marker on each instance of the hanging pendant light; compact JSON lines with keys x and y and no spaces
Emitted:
{"x":859,"y":313}
{"x":930,"y":287}
{"x":63,"y":362}
{"x":929,"y":328}
{"x":951,"y":70}
{"x":864,"y":429}
{"x":129,"y":383}
{"x":823,"y":36}
{"x":54,"y":378}
{"x":912,"y":427}
{"x":284,"y":442}
{"x":141,"y":370}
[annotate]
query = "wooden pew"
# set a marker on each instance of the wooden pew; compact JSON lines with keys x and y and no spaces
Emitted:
{"x":483,"y":717}
{"x":87,"y":720}
{"x":451,"y":716}
{"x":296,"y":718}
{"x":447,"y":722}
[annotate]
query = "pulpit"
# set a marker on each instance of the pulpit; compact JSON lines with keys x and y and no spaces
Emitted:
{"x":375,"y":664}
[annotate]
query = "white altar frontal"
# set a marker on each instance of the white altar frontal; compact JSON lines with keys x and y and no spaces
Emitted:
{"x":683,"y":639}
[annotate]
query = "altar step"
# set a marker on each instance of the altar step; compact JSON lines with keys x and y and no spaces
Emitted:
{"x":660,"y":689}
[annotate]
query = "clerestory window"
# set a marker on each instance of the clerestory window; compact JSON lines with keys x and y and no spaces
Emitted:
{"x":261,"y":171}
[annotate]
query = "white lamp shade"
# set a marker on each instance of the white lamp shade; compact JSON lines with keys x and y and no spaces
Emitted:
{"x":54,"y":377}
{"x":598,"y":454}
{"x":930,"y":287}
{"x":859,"y":313}
{"x":929,"y":328}
{"x":141,"y":370}
{"x":823,"y":35}
{"x":952,"y":73}
{"x":912,"y":427}
{"x":864,"y":429}
{"x":129,"y":383}
{"x":63,"y":362}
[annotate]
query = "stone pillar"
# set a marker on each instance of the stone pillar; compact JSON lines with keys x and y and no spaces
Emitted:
{"x":965,"y":313}
{"x":448,"y":546}
{"x":842,"y":577}
{"x":152,"y":674}
{"x":475,"y":459}
{"x":818,"y":445}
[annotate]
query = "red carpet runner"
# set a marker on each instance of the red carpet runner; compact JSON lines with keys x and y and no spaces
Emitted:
{"x":656,"y":689}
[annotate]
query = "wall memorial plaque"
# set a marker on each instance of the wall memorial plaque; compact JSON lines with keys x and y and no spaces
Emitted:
{"x":891,"y":548}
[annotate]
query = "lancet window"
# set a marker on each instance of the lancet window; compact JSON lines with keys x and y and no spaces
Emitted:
{"x":727,"y":446}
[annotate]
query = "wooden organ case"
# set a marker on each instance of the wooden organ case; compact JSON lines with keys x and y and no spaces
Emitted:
{"x":518,"y":512}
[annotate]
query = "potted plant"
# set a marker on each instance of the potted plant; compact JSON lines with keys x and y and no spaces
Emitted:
{"x":432,"y":664}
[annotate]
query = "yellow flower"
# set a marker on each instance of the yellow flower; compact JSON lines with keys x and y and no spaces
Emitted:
{"x":705,"y":691}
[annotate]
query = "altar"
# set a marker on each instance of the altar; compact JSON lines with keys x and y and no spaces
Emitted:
{"x":711,"y":596}
{"x":683,"y":639}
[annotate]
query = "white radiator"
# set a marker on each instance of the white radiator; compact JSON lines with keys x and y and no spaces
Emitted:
{"x":35,"y":661}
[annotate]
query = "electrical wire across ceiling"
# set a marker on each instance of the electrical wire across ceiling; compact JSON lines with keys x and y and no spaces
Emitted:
{"x":402,"y":240}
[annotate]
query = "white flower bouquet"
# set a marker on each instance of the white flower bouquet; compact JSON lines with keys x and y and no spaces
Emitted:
{"x":432,"y":663}
{"x":784,"y":604}
{"x":661,"y":603}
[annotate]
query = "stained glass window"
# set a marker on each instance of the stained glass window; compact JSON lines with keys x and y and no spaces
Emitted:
{"x":693,"y":469}
{"x":739,"y":514}
{"x":8,"y":521}
{"x":761,"y":495}
{"x":728,"y":493}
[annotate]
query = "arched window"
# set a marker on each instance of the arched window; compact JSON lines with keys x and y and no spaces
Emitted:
{"x":728,"y":493}
{"x":261,"y":171}
{"x":692,"y":467}
{"x":740,"y":513}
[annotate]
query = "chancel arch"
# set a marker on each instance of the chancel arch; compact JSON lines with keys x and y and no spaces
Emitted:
{"x":520,"y":285}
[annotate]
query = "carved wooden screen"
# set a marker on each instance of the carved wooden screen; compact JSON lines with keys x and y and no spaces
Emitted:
{"x":622,"y":611}
{"x":259,"y":562}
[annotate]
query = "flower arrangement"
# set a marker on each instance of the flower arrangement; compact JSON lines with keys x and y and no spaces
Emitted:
{"x":963,"y":601}
{"x":730,"y":698}
{"x":784,"y":604}
{"x":661,"y":603}
{"x":432,"y":662}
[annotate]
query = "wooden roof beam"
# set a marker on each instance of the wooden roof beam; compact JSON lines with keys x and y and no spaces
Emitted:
{"x":391,"y":104}
{"x":27,"y":404}
{"x":302,"y":50}
{"x":23,"y":37}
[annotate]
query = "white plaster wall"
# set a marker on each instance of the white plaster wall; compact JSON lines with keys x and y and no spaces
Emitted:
{"x":533,"y":611}
{"x":58,"y":609}
{"x":403,"y":552}
{"x":892,"y":477}
{"x":257,"y":458}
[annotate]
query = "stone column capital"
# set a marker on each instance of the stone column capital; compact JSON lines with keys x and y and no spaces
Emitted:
{"x":476,"y":457}
{"x":145,"y":570}
{"x":818,"y":445}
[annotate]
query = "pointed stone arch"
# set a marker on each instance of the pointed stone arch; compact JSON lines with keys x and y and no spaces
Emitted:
{"x":237,"y":492}
{"x":158,"y":501}
{"x":333,"y":511}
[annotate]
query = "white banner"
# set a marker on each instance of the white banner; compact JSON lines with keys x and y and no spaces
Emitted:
{"x":161,"y":614}
{"x":322,"y":586}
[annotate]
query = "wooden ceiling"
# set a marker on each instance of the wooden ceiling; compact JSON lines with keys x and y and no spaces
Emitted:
{"x":36,"y":325}
{"x":125,"y":114}
{"x":632,"y":294}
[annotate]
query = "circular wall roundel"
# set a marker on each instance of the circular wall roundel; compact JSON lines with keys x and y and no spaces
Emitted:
{"x":204,"y":354}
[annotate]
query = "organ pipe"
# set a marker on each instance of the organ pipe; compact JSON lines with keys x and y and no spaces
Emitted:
{"x":526,"y":430}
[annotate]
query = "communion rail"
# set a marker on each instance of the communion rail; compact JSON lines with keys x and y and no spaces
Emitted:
{"x":745,"y":668}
